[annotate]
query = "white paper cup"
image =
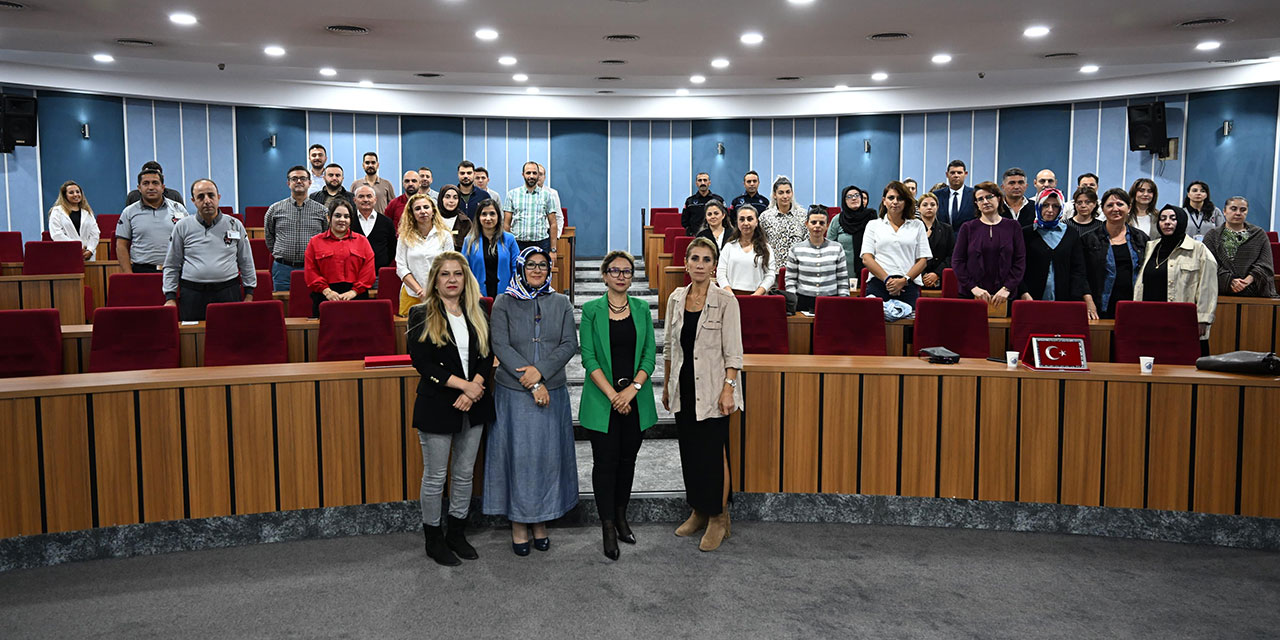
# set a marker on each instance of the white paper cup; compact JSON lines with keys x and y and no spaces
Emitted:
{"x":1146,"y":363}
{"x":1011,"y":358}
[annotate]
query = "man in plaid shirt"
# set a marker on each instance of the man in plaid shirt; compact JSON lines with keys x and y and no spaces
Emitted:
{"x":531,"y":212}
{"x":289,"y":226}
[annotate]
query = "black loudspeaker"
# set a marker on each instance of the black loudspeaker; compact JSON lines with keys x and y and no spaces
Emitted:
{"x":1147,"y":127}
{"x":17,"y":122}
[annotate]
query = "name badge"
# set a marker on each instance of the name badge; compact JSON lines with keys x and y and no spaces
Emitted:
{"x":233,"y":235}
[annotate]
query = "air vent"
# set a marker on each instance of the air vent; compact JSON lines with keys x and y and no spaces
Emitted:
{"x":608,"y":78}
{"x":788,"y":78}
{"x":622,"y":37}
{"x":427,"y":74}
{"x":4,"y":4}
{"x":889,"y":35}
{"x":135,"y":42}
{"x":1064,"y":54}
{"x":1226,"y":61}
{"x":347,"y":29}
{"x":605,"y":91}
{"x":613,"y":61}
{"x":1204,"y":22}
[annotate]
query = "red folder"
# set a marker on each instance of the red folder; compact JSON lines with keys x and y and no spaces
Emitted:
{"x":387,"y":362}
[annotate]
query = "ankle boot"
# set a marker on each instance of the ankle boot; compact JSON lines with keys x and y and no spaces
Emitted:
{"x":456,"y":539}
{"x":715,"y":534}
{"x":728,"y":526}
{"x":436,"y":548}
{"x":610,"y":539}
{"x":694,"y":524}
{"x":623,"y":528}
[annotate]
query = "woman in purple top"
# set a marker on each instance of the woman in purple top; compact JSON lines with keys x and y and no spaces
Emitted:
{"x":990,"y":256}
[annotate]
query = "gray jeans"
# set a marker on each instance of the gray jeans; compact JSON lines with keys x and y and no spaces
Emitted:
{"x":435,"y":463}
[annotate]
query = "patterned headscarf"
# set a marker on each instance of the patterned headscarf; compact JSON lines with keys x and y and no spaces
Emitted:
{"x":1052,"y":224}
{"x":519,"y":288}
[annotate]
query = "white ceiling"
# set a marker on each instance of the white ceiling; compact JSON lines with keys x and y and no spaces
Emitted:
{"x":560,"y":44}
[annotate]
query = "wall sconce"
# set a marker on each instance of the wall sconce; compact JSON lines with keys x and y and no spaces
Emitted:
{"x":1227,"y":126}
{"x":272,"y":141}
{"x":720,"y":148}
{"x":866,"y":145}
{"x":84,"y":130}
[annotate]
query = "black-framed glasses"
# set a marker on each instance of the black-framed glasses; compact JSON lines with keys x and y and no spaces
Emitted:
{"x":299,"y":178}
{"x":986,"y":198}
{"x":620,"y":273}
{"x":538,"y":266}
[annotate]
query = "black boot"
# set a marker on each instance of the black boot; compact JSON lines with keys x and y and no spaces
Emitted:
{"x":457,"y":540}
{"x":610,"y":540}
{"x":624,"y":529}
{"x":436,"y":548}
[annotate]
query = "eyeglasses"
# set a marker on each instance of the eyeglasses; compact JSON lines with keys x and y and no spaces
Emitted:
{"x":986,"y":198}
{"x":299,"y":178}
{"x":620,"y":273}
{"x":538,"y":266}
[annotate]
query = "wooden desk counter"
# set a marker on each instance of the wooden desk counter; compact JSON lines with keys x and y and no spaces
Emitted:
{"x":64,"y":292}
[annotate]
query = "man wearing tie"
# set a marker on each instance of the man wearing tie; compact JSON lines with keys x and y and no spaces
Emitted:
{"x":956,"y":198}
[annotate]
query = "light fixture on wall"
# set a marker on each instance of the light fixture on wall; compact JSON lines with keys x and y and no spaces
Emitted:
{"x":84,"y":130}
{"x":1227,"y":126}
{"x":272,"y":141}
{"x":720,"y":148}
{"x":866,"y":145}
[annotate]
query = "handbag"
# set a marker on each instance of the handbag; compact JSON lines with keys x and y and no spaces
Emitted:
{"x":1255,"y":362}
{"x":790,"y":299}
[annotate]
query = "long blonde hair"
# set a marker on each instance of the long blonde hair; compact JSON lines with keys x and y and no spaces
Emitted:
{"x":437,"y":326}
{"x":62,"y":197}
{"x":409,"y":224}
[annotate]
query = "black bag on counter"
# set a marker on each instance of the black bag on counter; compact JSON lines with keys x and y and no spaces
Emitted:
{"x":1255,"y":362}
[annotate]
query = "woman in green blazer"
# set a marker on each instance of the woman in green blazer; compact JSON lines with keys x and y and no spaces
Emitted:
{"x":616,"y":337}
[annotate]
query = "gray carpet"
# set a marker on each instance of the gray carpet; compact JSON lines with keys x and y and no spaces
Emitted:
{"x":770,"y":580}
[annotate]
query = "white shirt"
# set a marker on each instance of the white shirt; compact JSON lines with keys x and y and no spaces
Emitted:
{"x":417,"y":259}
{"x":62,"y":230}
{"x":458,"y":324}
{"x":896,"y":251}
{"x":957,"y":196}
{"x":449,"y":222}
{"x":737,"y":269}
{"x":555,"y":201}
{"x":367,"y":225}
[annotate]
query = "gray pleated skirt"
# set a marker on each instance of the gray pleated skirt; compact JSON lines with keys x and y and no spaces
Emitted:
{"x":530,"y":468}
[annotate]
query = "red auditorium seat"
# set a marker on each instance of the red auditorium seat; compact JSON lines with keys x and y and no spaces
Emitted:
{"x":950,"y":284}
{"x":263,"y":290}
{"x":45,"y":237}
{"x":237,"y":216}
{"x":766,"y":329}
{"x":135,"y":289}
{"x":862,"y":284}
{"x":661,"y":221}
{"x":565,"y":211}
{"x":959,"y":325}
{"x":10,"y":246}
{"x":831,"y":213}
{"x":389,"y":285}
{"x":487,"y":303}
{"x":129,"y":338}
{"x":669,"y":238}
{"x":262,"y":258}
{"x":245,"y":333}
{"x":107,"y":224}
{"x":678,"y":250}
{"x":1273,"y":236}
{"x":1167,"y":331}
{"x":355,"y":329}
{"x":657,"y":210}
{"x":255,"y":217}
{"x":50,"y":258}
{"x":39,"y":352}
{"x":299,"y":295}
{"x":227,"y":210}
{"x":1275,"y":253}
{"x":844,"y":326}
{"x":1036,"y":317}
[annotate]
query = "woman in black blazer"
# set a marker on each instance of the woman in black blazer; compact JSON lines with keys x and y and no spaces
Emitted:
{"x":448,"y":341}
{"x":1051,"y":241}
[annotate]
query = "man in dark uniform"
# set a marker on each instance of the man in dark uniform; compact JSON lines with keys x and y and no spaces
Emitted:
{"x":750,"y":181}
{"x":209,"y":258}
{"x":694,"y":213}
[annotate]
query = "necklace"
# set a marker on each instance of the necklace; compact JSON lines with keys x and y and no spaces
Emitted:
{"x":621,"y":308}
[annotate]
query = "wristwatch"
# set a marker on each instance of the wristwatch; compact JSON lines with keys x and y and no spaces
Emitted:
{"x":731,"y":382}
{"x":536,"y":386}
{"x":637,"y":386}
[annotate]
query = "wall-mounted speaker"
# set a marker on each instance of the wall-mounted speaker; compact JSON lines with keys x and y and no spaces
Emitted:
{"x":17,"y":122}
{"x":1147,"y":130}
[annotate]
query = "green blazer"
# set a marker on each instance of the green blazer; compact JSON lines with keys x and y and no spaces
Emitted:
{"x":593,"y":339}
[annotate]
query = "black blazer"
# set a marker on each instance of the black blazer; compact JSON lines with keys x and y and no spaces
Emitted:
{"x":433,"y":410}
{"x":382,"y":239}
{"x":968,"y":208}
{"x":1069,"y":280}
{"x":941,"y":243}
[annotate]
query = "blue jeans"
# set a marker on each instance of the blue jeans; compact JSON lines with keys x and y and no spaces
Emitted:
{"x":280,"y":276}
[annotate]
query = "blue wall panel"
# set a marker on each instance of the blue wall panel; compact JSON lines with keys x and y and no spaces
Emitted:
{"x":761,"y":158}
{"x":366,"y":132}
{"x":682,"y":162}
{"x":195,"y":146}
{"x":660,"y":183}
{"x":433,"y":142}
{"x":783,"y":158}
{"x":20,"y":186}
{"x":1085,"y":143}
{"x":140,"y":139}
{"x":169,"y":143}
{"x":540,"y":144}
{"x":342,"y":145}
{"x":262,"y":170}
{"x":620,"y":213}
{"x":1112,"y":155}
{"x":806,"y":163}
{"x":936,"y":136}
{"x":826,"y":150}
{"x":870,"y":171}
{"x":912,"y":129}
{"x":960,"y":138}
{"x":725,"y":169}
{"x":97,"y":163}
{"x":495,"y":147}
{"x":223,"y":153}
{"x":1035,"y":138}
{"x":983,"y":166}
{"x":579,"y":148}
{"x":473,"y":143}
{"x":637,"y":171}
{"x":388,"y":145}
{"x":517,"y":153}
{"x":1233,"y":164}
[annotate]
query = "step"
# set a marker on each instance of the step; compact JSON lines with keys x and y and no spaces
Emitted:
{"x":596,"y":288}
{"x":657,"y":467}
{"x":593,"y":264}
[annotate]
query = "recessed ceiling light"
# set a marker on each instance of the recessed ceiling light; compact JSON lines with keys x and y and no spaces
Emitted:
{"x":328,"y":71}
{"x":720,"y":63}
{"x":842,"y":87}
{"x":1273,"y":59}
{"x":366,"y":83}
{"x":1208,"y":45}
{"x":1038,"y":31}
{"x":184,"y":19}
{"x":879,"y":75}
{"x":682,"y":92}
{"x":942,"y":58}
{"x":1089,"y":68}
{"x":800,"y":1}
{"x":507,"y":60}
{"x":104,"y":57}
{"x":486,"y":34}
{"x":751,"y":37}
{"x":274,"y":51}
{"x":520,"y":77}
{"x":531,"y":90}
{"x":696,"y":79}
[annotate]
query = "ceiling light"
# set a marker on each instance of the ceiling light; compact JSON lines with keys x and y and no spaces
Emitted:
{"x":682,"y":92}
{"x":520,"y":77}
{"x":274,"y":51}
{"x":486,"y":34}
{"x":942,"y":58}
{"x":184,"y":19}
{"x":842,"y":87}
{"x":696,"y":79}
{"x":1208,"y":45}
{"x":531,"y":90}
{"x":1038,"y":31}
{"x":1089,"y":68}
{"x":879,"y":76}
{"x":720,"y":63}
{"x":104,"y":57}
{"x":328,"y":71}
{"x":1273,"y":59}
{"x":366,"y":83}
{"x":751,"y":37}
{"x":800,"y":1}
{"x":507,"y":60}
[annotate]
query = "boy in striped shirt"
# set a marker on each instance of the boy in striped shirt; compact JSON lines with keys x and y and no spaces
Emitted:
{"x":816,"y":267}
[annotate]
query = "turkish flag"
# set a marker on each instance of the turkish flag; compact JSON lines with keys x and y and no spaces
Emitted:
{"x":1055,"y":353}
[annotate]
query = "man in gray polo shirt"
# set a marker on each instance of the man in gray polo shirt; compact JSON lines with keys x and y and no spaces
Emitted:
{"x":142,"y":235}
{"x":209,"y":257}
{"x":290,"y":224}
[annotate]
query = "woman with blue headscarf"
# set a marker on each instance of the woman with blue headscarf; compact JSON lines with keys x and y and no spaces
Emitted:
{"x":531,"y":472}
{"x":1055,"y":256}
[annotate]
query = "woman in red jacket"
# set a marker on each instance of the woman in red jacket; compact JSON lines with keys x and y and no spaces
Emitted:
{"x":338,"y":263}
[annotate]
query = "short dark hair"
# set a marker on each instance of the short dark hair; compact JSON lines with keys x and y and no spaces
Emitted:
{"x":908,"y":205}
{"x":957,"y":163}
{"x":338,"y":201}
{"x":1116,"y":192}
{"x":198,"y":181}
{"x":1011,"y":172}
{"x":318,"y":146}
{"x":751,"y":173}
{"x":152,"y":164}
{"x":369,"y":153}
{"x":333,"y":165}
{"x":421,"y":169}
{"x":817,"y":209}
{"x":482,"y":170}
{"x":701,"y":173}
{"x":297,"y":167}
{"x":530,"y":162}
{"x":1086,"y":193}
{"x":906,"y":180}
{"x":1082,"y":176}
{"x":614,"y":255}
{"x":989,"y":187}
{"x":469,"y":164}
{"x":148,"y":171}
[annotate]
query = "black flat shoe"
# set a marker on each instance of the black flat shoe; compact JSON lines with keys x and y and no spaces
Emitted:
{"x":542,"y":544}
{"x":520,"y":548}
{"x":610,"y":540}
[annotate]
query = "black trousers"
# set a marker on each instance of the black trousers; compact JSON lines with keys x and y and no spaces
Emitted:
{"x":337,"y":287}
{"x":613,"y":457}
{"x":704,"y":447}
{"x":193,"y":297}
{"x":139,"y":267}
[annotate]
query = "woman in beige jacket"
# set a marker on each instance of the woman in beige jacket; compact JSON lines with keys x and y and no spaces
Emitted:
{"x":1179,"y":268}
{"x":704,"y":352}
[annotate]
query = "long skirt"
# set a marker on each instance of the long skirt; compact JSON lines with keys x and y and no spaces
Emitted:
{"x":530,"y":468}
{"x":704,"y":446}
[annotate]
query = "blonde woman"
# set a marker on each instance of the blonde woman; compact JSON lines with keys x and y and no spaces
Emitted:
{"x":71,"y":220}
{"x":423,"y":237}
{"x":449,"y":345}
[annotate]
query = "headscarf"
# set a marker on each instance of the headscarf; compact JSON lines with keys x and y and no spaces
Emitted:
{"x":1052,"y":224}
{"x":518,"y":287}
{"x":1172,"y":241}
{"x":440,"y":202}
{"x":854,"y":221}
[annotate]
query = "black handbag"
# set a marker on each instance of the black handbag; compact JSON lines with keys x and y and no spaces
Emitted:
{"x":1255,"y":362}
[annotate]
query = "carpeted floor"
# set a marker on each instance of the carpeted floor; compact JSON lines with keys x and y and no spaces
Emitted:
{"x":770,"y":580}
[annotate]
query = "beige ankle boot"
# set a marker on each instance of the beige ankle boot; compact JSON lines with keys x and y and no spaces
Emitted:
{"x":717,"y":527}
{"x":695,"y":523}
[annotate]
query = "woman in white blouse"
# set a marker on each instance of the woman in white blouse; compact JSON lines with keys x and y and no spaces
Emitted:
{"x":71,"y":220}
{"x":423,"y":236}
{"x":895,"y":248}
{"x":746,"y":265}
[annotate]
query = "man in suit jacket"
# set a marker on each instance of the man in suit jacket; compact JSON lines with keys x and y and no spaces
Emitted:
{"x":375,"y":227}
{"x":956,"y":199}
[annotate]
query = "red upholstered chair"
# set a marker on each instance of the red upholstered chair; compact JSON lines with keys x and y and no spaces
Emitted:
{"x":389,"y":285}
{"x":661,"y":221}
{"x":1167,"y":331}
{"x":844,"y":326}
{"x":679,"y":249}
{"x":1275,"y":253}
{"x":355,"y":329}
{"x":862,"y":286}
{"x":657,"y":210}
{"x":262,"y":258}
{"x":766,"y":329}
{"x":255,"y":216}
{"x":263,"y":290}
{"x":565,"y":211}
{"x":950,"y":284}
{"x":831,"y":212}
{"x":487,"y":303}
{"x":45,"y":237}
{"x":49,"y":258}
{"x":10,"y":246}
{"x":237,"y":216}
{"x":669,"y":242}
{"x":39,"y":352}
{"x":299,"y":295}
{"x":782,"y":279}
{"x":129,"y":338}
{"x":959,"y":325}
{"x":1035,"y":317}
{"x":135,"y":289}
{"x":227,"y":210}
{"x":1273,"y":236}
{"x":245,"y":333}
{"x":107,"y":224}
